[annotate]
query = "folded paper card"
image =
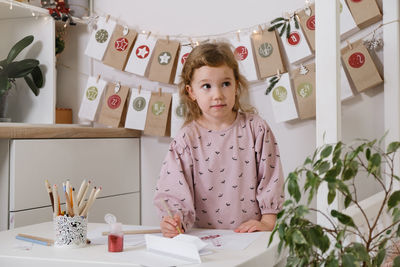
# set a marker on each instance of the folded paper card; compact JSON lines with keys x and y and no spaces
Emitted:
{"x":184,"y":247}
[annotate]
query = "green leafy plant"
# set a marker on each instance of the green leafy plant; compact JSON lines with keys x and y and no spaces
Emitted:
{"x":26,"y":68}
{"x":338,"y":166}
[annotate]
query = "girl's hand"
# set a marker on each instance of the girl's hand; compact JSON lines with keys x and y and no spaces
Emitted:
{"x":266,"y":223}
{"x":169,"y":225}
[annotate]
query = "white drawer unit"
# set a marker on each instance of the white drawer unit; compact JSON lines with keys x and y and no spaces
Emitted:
{"x":112,"y":163}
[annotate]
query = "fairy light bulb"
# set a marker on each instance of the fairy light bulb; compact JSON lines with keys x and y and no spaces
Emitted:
{"x":33,"y":14}
{"x":143,"y":32}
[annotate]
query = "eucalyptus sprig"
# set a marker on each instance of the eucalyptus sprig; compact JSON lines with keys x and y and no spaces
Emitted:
{"x":283,"y":24}
{"x":272,"y":82}
{"x":338,"y":166}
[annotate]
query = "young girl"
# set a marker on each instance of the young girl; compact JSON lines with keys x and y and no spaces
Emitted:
{"x":223,"y":168}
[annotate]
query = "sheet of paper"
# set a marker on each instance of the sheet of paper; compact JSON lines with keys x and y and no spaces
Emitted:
{"x":178,"y":111}
{"x":177,"y":249}
{"x":141,"y":54}
{"x":244,"y":55}
{"x":91,"y":98}
{"x":226,"y":239}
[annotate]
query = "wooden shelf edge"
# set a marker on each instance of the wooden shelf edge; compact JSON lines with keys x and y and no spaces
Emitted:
{"x":15,"y":131}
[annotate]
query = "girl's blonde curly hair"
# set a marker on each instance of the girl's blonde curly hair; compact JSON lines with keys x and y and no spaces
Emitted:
{"x":213,"y":55}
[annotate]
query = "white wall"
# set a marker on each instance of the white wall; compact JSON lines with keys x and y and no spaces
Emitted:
{"x":362,"y":115}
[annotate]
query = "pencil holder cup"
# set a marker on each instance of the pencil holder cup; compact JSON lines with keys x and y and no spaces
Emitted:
{"x":70,"y":232}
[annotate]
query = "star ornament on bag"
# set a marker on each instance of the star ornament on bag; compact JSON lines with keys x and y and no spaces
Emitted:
{"x":164,"y":58}
{"x":121,"y":44}
{"x":142,"y":51}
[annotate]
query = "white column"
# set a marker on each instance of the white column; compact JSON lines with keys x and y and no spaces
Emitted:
{"x":327,"y":58}
{"x":391,"y":58}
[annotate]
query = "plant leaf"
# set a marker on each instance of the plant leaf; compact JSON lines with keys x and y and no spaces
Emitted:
{"x":293,"y":186}
{"x":347,"y":201}
{"x":394,"y":199}
{"x":298,"y":237}
{"x":296,"y":22}
{"x":32,"y":85}
{"x":21,"y":68}
{"x":277,"y":19}
{"x":18,"y":47}
{"x":396,"y":262}
{"x":288,"y":31}
{"x":326,"y":151}
{"x":37,"y":77}
{"x":282,"y":30}
{"x":343,"y":218}
{"x":349,"y":260}
{"x":392,"y":147}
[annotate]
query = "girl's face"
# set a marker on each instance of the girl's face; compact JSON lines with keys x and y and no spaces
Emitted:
{"x":214,"y":89}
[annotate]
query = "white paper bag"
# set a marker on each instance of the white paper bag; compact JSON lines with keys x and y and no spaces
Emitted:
{"x":141,"y":54}
{"x":178,"y":112}
{"x":347,"y":24}
{"x":346,"y":91}
{"x":282,"y":100}
{"x":100,"y":38}
{"x":244,"y":54}
{"x":183,"y":54}
{"x":296,"y":45}
{"x":91,"y":98}
{"x":137,"y":109}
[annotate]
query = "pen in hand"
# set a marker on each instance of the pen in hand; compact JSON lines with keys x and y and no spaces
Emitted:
{"x":178,"y":228}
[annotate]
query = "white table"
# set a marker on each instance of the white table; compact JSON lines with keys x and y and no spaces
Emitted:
{"x":13,"y":254}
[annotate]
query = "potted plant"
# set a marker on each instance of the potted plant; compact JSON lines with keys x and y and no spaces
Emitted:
{"x":10,"y":70}
{"x":337,"y":166}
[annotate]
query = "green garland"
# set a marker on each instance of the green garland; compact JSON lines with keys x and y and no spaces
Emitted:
{"x":274,"y":80}
{"x":284,"y":25}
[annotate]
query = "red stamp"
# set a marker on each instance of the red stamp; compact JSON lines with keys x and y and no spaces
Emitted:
{"x":311,"y":23}
{"x":114,"y":101}
{"x":121,"y":44}
{"x":356,"y":60}
{"x":184,"y":57}
{"x":142,"y":51}
{"x":241,"y":53}
{"x":356,"y":1}
{"x":294,"y":38}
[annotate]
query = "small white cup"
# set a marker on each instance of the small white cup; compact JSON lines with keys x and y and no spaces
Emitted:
{"x":70,"y":232}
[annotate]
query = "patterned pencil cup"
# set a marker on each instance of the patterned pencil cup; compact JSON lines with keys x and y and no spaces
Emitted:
{"x":70,"y":232}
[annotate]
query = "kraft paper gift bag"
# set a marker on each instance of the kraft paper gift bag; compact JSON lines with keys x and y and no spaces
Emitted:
{"x":282,"y":100}
{"x":113,"y":105}
{"x":347,"y":24}
{"x":137,"y":109}
{"x":296,"y":47}
{"x":141,"y":54}
{"x":91,"y":98}
{"x":244,"y":55}
{"x":163,"y":62}
{"x":307,"y":23}
{"x":120,"y":47}
{"x":183,"y":54}
{"x":360,"y":66}
{"x":268,"y":54}
{"x":100,"y":38}
{"x":365,"y":12}
{"x":178,"y":112}
{"x":304,"y":85}
{"x":158,"y":114}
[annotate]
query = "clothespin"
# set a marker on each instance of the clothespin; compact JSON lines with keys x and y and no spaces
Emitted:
{"x":117,"y":87}
{"x":160,"y":91}
{"x":139,"y":88}
{"x":148,"y":35}
{"x":278,"y":73}
{"x":167,"y":39}
{"x":98,"y":78}
{"x":191,"y":42}
{"x":349,"y":45}
{"x":125,"y":31}
{"x":260,"y":29}
{"x":238,"y":35}
{"x":107,"y":18}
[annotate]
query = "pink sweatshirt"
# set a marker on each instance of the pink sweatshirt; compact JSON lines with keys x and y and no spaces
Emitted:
{"x":221,"y":179}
